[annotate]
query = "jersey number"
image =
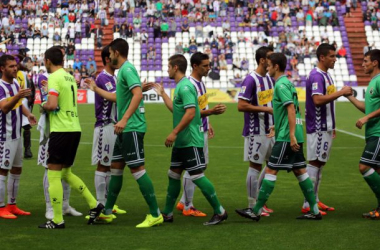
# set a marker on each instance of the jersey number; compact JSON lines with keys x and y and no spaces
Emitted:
{"x":72,"y":90}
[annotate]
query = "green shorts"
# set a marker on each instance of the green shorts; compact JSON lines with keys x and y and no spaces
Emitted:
{"x":129,"y":148}
{"x":191,"y":159}
{"x":284,"y":158}
{"x":371,"y":154}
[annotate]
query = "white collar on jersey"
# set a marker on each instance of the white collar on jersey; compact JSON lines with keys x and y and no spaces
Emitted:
{"x":107,"y":73}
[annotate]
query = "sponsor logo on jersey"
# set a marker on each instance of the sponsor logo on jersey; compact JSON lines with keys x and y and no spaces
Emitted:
{"x":371,"y":91}
{"x":242,"y":90}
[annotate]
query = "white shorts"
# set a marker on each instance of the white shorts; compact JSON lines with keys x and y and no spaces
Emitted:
{"x":205,"y":146}
{"x":258,"y":148}
{"x":103,"y":145}
{"x":319,"y":146}
{"x":43,"y":154}
{"x":11,"y":154}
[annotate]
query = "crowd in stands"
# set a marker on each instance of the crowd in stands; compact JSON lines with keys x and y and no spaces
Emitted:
{"x":372,"y":15}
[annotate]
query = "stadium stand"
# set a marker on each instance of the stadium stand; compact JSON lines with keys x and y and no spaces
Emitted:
{"x":230,"y":32}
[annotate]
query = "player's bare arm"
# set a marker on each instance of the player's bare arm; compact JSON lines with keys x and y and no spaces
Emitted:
{"x":161,"y":92}
{"x":136,"y":99}
{"x":366,"y":118}
{"x":216,"y":110}
{"x":292,"y":127}
{"x":103,"y":93}
{"x":324,"y":99}
{"x":210,"y":131}
{"x":245,"y":106}
{"x":29,"y":115}
{"x":8,"y":105}
{"x":185,"y":121}
{"x":358,"y":104}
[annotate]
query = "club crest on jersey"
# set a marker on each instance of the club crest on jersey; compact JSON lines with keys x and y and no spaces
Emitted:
{"x":109,"y":86}
{"x":324,"y":155}
{"x":371,"y":91}
{"x":242,"y":90}
{"x":106,"y":160}
{"x":314,"y":86}
{"x":6,"y":163}
{"x":256,"y":157}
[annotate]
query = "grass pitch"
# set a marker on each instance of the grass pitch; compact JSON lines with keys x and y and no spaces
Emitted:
{"x":342,"y":187}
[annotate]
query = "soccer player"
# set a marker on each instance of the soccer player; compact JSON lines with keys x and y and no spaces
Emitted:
{"x":130,"y":130}
{"x":104,"y":136}
{"x":65,"y":132}
{"x":200,"y":64}
{"x":187,"y":139}
{"x":287,"y":152}
{"x":11,"y":110}
{"x":43,"y":127}
{"x":255,"y":100}
{"x":370,"y":159}
{"x":320,"y":117}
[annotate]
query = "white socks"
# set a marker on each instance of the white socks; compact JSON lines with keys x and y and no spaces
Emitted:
{"x":46,"y":190}
{"x":188,"y":191}
{"x":2,"y":190}
{"x":252,"y":182}
{"x":101,"y":186}
{"x":13,"y":184}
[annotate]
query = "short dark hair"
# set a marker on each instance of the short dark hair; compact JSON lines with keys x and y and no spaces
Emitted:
{"x":262,"y":53}
{"x":121,"y":46}
{"x":374,"y":55}
{"x":105,"y":54}
{"x":54,"y":55}
{"x":179,"y":61}
{"x":5,"y":58}
{"x":197,"y":58}
{"x":324,"y":49}
{"x":279,"y":59}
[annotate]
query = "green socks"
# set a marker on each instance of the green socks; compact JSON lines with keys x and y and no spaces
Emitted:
{"x":174,"y":189}
{"x":76,"y":183}
{"x":208,"y":191}
{"x":147,"y":190}
{"x":56,"y":194}
{"x":264,"y":193}
{"x":373,"y":180}
{"x":308,"y":191}
{"x":114,"y":188}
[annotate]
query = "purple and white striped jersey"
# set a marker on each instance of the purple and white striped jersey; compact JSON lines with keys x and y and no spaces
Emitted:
{"x":42,"y":77}
{"x":10,"y":124}
{"x":105,"y":111}
{"x":321,"y":118}
{"x":258,"y":91}
{"x":202,"y":100}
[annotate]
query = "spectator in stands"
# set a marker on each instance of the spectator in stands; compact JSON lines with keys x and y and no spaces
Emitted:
{"x":22,"y":34}
{"x":214,"y":44}
{"x":57,"y":38}
{"x":151,"y":53}
{"x":91,"y":71}
{"x":173,"y":28}
{"x":179,"y":48}
{"x":87,"y":29}
{"x":239,"y":11}
{"x":83,"y":72}
{"x":246,"y":21}
{"x":77,"y":76}
{"x":123,"y":31}
{"x":144,"y":36}
{"x":37,"y":33}
{"x":294,"y":62}
{"x":78,"y":29}
{"x":44,"y":32}
{"x":77,"y":64}
{"x":192,"y":40}
{"x":193,"y":48}
{"x":136,"y":19}
{"x":185,"y":26}
{"x":130,"y":30}
{"x":164,"y":28}
{"x":156,"y":29}
{"x":99,"y":36}
{"x":222,"y":63}
{"x":241,"y":37}
{"x":214,"y":65}
{"x":228,"y":52}
{"x":199,"y":30}
{"x":185,"y":49}
{"x":5,"y":22}
{"x":226,"y":26}
{"x":348,"y":8}
{"x":70,"y":34}
{"x":90,"y":62}
{"x":244,"y":64}
{"x":70,"y":51}
{"x":102,"y":15}
{"x":300,"y":15}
